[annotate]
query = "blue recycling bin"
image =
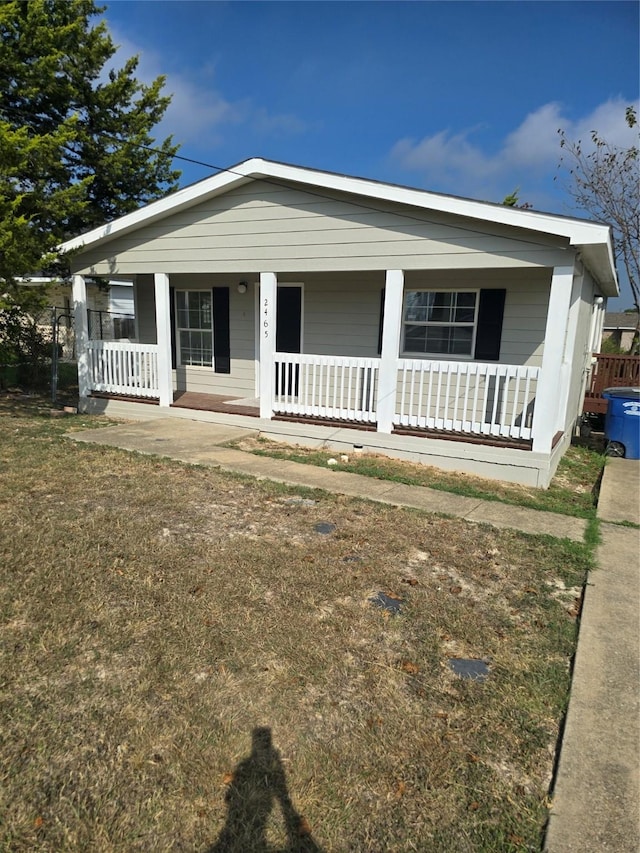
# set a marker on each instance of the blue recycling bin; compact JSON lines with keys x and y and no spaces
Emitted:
{"x":622,"y":422}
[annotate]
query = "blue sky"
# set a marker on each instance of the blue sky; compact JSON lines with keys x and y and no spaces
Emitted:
{"x":456,"y":97}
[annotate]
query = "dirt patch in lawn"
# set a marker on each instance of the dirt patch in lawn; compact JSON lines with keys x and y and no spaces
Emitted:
{"x":193,"y":661}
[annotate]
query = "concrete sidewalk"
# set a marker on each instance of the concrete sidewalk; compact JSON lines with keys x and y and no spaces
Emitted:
{"x":596,"y":800}
{"x":198,"y":443}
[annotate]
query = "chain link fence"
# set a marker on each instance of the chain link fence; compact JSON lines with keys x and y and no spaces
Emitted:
{"x":110,"y":326}
{"x":38,"y":351}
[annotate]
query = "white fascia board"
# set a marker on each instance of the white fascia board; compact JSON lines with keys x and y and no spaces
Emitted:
{"x":592,"y":237}
{"x":579,"y":233}
{"x":600,"y":262}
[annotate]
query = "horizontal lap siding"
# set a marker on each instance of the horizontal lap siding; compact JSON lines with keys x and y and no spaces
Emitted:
{"x":342,"y":311}
{"x":283,"y":229}
{"x":525,"y":310}
{"x":342,"y":314}
{"x":145,"y":301}
{"x":240,"y":382}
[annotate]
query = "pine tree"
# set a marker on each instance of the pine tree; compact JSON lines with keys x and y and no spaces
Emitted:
{"x":75,"y":142}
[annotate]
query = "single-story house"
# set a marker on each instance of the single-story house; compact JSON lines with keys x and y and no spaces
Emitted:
{"x":336,"y":309}
{"x":621,"y":328}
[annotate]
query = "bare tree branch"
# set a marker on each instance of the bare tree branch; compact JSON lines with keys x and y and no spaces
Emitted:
{"x":605,"y":182}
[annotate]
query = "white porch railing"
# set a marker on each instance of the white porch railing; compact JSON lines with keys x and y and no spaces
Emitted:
{"x":120,"y":367}
{"x":322,"y":386}
{"x":467,"y":397}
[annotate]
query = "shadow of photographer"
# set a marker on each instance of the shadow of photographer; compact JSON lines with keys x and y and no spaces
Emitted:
{"x":258,"y":784}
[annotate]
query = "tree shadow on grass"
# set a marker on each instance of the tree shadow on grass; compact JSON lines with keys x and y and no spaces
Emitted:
{"x":258,"y":784}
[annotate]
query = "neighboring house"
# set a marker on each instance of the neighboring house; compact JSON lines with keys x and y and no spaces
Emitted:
{"x":111,"y":312}
{"x":59,"y":293}
{"x":114,"y":298}
{"x":620,"y":328}
{"x":458,"y":333}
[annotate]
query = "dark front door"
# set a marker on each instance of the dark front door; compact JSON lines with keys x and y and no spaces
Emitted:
{"x":288,"y":319}
{"x":288,"y":336}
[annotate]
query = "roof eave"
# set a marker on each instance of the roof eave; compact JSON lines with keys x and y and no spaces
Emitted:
{"x":593,"y":239}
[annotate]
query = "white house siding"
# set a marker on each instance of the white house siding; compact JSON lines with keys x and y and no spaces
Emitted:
{"x":341,"y":317}
{"x":342,"y":310}
{"x":241,"y":381}
{"x":268,"y":228}
{"x":341,"y":313}
{"x":581,"y":355}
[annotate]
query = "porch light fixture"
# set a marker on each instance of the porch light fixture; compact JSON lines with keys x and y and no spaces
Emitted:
{"x":242,"y":287}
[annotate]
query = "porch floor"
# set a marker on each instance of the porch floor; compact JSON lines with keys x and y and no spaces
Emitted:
{"x":224,"y":404}
{"x":221,"y":403}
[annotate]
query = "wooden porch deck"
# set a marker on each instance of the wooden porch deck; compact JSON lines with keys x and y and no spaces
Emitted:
{"x":610,"y":371}
{"x":220,"y":403}
{"x":223,"y":404}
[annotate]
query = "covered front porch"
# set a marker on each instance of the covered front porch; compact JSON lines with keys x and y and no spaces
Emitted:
{"x":486,"y":401}
{"x":508,"y":404}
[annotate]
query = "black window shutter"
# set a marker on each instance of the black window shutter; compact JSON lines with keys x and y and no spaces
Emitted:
{"x":381,"y":323}
{"x":489,"y":331}
{"x":172,"y":316}
{"x":221,"y":336}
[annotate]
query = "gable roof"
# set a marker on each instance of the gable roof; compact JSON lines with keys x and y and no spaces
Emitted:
{"x":591,"y":238}
{"x":621,"y":320}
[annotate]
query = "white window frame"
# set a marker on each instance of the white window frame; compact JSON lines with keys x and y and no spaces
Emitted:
{"x":178,"y":328}
{"x":431,"y":323}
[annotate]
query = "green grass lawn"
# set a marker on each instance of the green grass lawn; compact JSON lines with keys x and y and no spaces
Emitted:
{"x":572,"y":491}
{"x":189,"y":664}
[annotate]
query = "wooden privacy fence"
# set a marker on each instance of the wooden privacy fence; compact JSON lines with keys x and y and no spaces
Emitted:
{"x":610,"y":371}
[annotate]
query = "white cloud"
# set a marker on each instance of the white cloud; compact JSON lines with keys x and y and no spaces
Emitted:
{"x":453,"y":162}
{"x":199,"y":112}
{"x":534,"y":144}
{"x":442,"y":154}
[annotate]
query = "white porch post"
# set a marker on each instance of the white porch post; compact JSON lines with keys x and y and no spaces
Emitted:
{"x":81,"y":323}
{"x":388,"y":375}
{"x":267,"y":333}
{"x":569,"y":356}
{"x":163,"y":332}
{"x":602,"y":307}
{"x":547,"y":407}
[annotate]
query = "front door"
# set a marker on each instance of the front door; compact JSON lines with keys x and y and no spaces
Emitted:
{"x":288,"y":334}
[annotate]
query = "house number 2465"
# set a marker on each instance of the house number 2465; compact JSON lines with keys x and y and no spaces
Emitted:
{"x":265,"y":322}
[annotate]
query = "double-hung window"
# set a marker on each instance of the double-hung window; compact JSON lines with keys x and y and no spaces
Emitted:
{"x":440,"y":322}
{"x":195,"y":327}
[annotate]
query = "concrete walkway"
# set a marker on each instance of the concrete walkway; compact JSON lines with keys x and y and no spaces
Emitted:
{"x":596,"y":799}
